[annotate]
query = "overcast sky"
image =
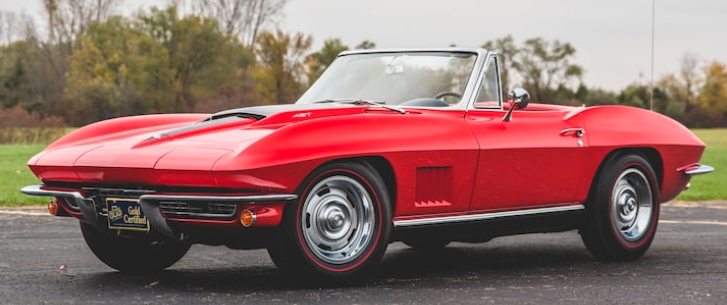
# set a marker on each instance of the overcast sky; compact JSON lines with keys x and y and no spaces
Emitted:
{"x":612,"y":38}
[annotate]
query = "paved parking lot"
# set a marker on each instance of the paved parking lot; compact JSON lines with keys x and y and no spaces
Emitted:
{"x":43,"y":260}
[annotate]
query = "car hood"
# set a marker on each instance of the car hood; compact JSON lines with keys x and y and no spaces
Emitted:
{"x":194,"y":146}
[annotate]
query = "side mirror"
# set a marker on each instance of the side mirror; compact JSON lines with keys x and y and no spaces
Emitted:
{"x":518,"y":98}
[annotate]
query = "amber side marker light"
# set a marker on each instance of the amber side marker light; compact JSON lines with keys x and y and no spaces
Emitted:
{"x":53,"y":207}
{"x":247,"y":218}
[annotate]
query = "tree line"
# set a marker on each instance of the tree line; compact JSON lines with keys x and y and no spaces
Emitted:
{"x":90,"y":64}
{"x":696,"y":95}
{"x":193,"y":56}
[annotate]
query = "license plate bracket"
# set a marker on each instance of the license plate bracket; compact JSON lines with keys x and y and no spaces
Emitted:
{"x":126,"y":214}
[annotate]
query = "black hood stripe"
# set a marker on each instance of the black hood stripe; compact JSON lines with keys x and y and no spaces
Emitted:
{"x":261,"y":112}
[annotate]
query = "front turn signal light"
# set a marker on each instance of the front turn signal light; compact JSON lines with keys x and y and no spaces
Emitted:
{"x":247,"y":218}
{"x":53,"y":207}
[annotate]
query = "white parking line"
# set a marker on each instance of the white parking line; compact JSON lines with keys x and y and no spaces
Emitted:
{"x":718,"y":205}
{"x":23,"y":213}
{"x":694,"y":222}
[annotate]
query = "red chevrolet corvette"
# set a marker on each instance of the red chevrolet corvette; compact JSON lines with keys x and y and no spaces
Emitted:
{"x":416,"y":146}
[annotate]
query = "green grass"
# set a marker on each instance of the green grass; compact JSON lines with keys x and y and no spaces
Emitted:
{"x":712,"y":186}
{"x":14,"y":173}
{"x":31,"y":135}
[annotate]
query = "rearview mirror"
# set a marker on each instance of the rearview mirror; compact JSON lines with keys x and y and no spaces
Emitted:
{"x":518,"y":98}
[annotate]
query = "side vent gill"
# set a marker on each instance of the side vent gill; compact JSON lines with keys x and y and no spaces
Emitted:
{"x":433,"y":187}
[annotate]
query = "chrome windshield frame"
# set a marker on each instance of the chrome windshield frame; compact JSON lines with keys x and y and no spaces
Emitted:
{"x":490,"y":57}
{"x":470,"y":90}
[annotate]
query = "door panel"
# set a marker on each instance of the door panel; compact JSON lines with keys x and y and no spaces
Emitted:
{"x":527,"y":162}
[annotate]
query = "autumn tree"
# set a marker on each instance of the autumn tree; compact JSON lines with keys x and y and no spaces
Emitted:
{"x":19,"y":82}
{"x":116,"y":70}
{"x":243,"y":19}
{"x":366,"y":44}
{"x":87,"y":64}
{"x":545,"y":66}
{"x":194,"y":47}
{"x":674,"y":100}
{"x":15,"y":27}
{"x":689,"y":75}
{"x":281,"y":69}
{"x":507,"y":50}
{"x":596,"y":96}
{"x":713,"y":93}
{"x":680,"y":90}
{"x":66,"y":20}
{"x":18,"y":59}
{"x":319,"y":61}
{"x":157,"y":62}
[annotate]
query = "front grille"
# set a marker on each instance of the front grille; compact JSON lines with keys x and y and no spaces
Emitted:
{"x":198,"y":210}
{"x":170,"y":209}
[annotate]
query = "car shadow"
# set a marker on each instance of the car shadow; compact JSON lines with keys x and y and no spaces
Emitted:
{"x":399,"y":267}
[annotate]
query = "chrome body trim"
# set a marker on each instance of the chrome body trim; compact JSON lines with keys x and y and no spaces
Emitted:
{"x":575,"y":132}
{"x":37,"y":190}
{"x":699,"y":169}
{"x":86,"y":206}
{"x":117,"y":190}
{"x":248,"y":199}
{"x":72,"y":199}
{"x":485,"y":216}
{"x":413,"y":50}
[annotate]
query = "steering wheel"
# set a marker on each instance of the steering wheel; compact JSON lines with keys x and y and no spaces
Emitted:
{"x":442,"y":94}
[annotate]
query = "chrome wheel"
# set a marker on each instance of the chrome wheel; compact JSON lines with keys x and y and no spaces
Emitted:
{"x":337,"y":219}
{"x":622,"y":211}
{"x":631,"y":204}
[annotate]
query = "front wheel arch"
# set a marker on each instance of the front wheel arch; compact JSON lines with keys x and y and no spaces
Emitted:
{"x":291,"y":249}
{"x":381,"y":166}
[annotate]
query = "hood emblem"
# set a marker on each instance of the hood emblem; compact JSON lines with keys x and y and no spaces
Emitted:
{"x":301,"y":115}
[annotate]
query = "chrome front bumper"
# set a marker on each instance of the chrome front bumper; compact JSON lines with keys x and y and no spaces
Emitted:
{"x":150,"y":204}
{"x":697,"y":169}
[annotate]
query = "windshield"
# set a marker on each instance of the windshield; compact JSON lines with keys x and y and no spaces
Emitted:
{"x":394,"y":78}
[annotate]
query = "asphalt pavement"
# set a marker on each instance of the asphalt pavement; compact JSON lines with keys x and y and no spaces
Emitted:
{"x":44,"y":260}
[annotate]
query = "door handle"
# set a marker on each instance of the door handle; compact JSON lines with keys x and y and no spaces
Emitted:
{"x":573,"y":132}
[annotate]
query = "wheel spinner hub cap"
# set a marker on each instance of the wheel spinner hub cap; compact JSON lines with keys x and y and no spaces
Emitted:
{"x":631,"y":204}
{"x":337,"y":220}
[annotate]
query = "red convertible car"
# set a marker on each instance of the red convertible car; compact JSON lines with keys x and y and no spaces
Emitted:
{"x":417,"y":146}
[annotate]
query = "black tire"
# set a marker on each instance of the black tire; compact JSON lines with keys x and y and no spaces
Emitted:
{"x":133,"y":255}
{"x":425,"y":244}
{"x":293,"y":250}
{"x":607,"y":231}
